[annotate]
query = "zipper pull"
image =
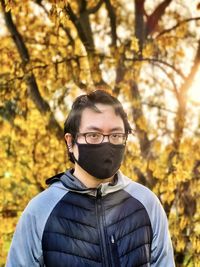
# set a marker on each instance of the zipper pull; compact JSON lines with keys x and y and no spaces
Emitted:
{"x":112,"y":239}
{"x":99,"y":193}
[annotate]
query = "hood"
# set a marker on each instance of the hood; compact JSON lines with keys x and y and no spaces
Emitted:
{"x":71,"y":183}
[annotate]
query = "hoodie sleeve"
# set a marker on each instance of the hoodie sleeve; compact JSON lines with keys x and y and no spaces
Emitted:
{"x":161,"y":248}
{"x":26,"y":249}
{"x":26,"y":246}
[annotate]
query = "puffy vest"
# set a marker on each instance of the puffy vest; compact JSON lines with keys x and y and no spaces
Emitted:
{"x":85,"y":230}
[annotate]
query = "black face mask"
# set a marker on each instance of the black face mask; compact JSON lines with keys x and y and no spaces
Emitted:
{"x":100,"y":160}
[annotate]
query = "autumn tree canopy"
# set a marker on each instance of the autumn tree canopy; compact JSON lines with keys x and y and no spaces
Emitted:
{"x":147,"y":53}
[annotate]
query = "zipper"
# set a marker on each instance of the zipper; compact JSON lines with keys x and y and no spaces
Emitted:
{"x":114,"y":251}
{"x":102,"y":234}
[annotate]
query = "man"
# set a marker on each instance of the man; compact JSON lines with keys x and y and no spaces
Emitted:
{"x":93,"y":215}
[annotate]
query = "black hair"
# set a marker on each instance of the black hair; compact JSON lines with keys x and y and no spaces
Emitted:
{"x":89,"y":100}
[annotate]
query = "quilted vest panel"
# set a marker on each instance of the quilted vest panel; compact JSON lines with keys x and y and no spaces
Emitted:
{"x":82,"y":230}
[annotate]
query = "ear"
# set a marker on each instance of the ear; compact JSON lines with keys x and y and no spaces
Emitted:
{"x":68,"y":139}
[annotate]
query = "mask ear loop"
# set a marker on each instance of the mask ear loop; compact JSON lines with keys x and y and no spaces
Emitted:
{"x":71,"y":153}
{"x":69,"y":143}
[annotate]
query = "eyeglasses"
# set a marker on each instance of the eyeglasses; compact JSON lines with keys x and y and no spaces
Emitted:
{"x":97,"y":138}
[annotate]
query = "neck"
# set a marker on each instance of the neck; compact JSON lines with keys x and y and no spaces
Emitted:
{"x":88,"y":180}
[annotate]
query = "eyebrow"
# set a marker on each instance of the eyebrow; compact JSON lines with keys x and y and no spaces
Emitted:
{"x":94,"y":128}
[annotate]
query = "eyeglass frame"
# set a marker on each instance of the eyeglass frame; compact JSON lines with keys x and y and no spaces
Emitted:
{"x":124,"y":135}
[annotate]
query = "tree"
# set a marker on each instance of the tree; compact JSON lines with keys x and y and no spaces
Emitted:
{"x":51,"y":51}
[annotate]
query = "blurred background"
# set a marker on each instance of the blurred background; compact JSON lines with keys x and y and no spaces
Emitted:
{"x":145,"y":52}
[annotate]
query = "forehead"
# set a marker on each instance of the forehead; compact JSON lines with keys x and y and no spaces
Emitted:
{"x":104,"y":119}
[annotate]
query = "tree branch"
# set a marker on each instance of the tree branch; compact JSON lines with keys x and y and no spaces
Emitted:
{"x":95,"y":8}
{"x":175,"y":90}
{"x":145,"y":143}
{"x":30,"y":80}
{"x":120,"y":72}
{"x":82,"y":26}
{"x":182,"y":99}
{"x":112,"y":17}
{"x":154,"y":18}
{"x":139,"y":22}
{"x":188,"y":81}
{"x":16,"y":36}
{"x":158,"y":61}
{"x":154,"y":105}
{"x":176,"y":26}
{"x":137,"y":114}
{"x":68,"y":34}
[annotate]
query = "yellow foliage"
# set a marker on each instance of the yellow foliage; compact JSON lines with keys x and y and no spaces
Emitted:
{"x":148,"y":50}
{"x":141,"y":123}
{"x":30,"y":151}
{"x":134,"y":44}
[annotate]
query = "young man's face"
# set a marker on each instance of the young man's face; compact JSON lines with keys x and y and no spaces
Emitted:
{"x":105,"y":122}
{"x":99,"y":159}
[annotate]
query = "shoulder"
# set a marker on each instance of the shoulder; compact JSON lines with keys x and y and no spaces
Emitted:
{"x":148,"y":199}
{"x":46,"y":200}
{"x":142,"y":193}
{"x":40,"y":207}
{"x":137,"y":190}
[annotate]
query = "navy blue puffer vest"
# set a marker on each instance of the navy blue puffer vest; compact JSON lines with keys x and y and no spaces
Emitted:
{"x":88,"y":231}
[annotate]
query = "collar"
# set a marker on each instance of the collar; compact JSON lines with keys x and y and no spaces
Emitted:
{"x":73,"y":184}
{"x":68,"y":181}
